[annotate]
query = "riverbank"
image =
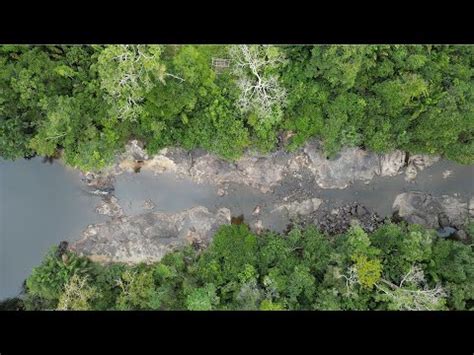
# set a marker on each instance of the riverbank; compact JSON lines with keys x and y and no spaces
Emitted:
{"x":58,"y":206}
{"x":269,"y":193}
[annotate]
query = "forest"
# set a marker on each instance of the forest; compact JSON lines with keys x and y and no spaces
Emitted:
{"x":85,"y":102}
{"x":397,"y":267}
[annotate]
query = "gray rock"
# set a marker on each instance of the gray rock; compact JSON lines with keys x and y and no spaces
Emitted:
{"x":391,"y":164}
{"x":149,"y":204}
{"x":134,"y":151}
{"x":445,"y":232}
{"x":471,"y":207}
{"x":419,"y":162}
{"x":110,"y":207}
{"x":461,"y":236}
{"x":99,"y":183}
{"x":455,"y":209}
{"x":300,"y":208}
{"x":424,"y":209}
{"x":148,"y":237}
{"x":256,"y":210}
{"x":351,"y":164}
{"x":257,"y":227}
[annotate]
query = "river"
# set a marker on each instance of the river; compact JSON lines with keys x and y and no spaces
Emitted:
{"x":43,"y":204}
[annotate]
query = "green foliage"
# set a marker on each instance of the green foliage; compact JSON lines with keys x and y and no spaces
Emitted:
{"x":88,"y":101}
{"x":398,"y":267}
{"x":48,"y":279}
{"x":415,"y":98}
{"x":202,"y":298}
{"x":368,"y":271}
{"x":138,"y":290}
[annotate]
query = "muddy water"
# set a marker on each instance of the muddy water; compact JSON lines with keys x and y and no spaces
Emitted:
{"x":42,"y":204}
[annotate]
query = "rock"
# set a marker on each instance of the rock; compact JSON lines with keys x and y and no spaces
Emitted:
{"x":134,"y":151}
{"x":391,"y":164}
{"x":258,"y":227}
{"x":256,"y":210}
{"x":424,"y":209}
{"x":471,"y":207}
{"x":447,"y":173}
{"x":351,"y":164}
{"x":148,"y":237}
{"x":445,"y":232}
{"x":361,"y":211}
{"x":149,"y":204}
{"x":410,"y":173}
{"x":62,"y":248}
{"x":456,"y":210}
{"x":339,"y":220}
{"x":443,"y":220}
{"x":419,"y":162}
{"x":303,"y":208}
{"x":461,"y":236}
{"x":221,"y":192}
{"x":110,"y":207}
{"x":99,"y":184}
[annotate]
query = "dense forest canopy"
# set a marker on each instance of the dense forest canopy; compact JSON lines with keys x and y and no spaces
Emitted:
{"x":88,"y":101}
{"x":397,"y":267}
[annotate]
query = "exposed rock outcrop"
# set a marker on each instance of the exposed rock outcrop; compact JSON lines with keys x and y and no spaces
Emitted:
{"x":109,"y":206}
{"x":148,"y":237}
{"x":391,"y":164}
{"x":471,"y":207}
{"x":350,"y":164}
{"x":303,"y":208}
{"x":418,"y":162}
{"x":265,"y":172}
{"x":149,"y":204}
{"x":99,"y":184}
{"x":430,"y":211}
{"x":338,"y":220}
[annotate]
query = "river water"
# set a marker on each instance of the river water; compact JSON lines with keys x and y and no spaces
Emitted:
{"x":42,"y":204}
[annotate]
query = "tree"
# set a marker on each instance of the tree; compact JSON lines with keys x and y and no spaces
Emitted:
{"x":127,"y":73}
{"x":77,"y":294}
{"x":260,"y":89}
{"x":412,"y":293}
{"x":49,"y":278}
{"x":137,"y":290}
{"x":202,"y":298}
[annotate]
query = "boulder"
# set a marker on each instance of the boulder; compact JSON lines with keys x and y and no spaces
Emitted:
{"x":148,"y":237}
{"x":418,"y":162}
{"x":101,"y":184}
{"x":300,"y":208}
{"x":431,"y":212}
{"x":134,"y":151}
{"x":391,"y":164}
{"x":110,"y":207}
{"x":257,"y":227}
{"x":471,"y":207}
{"x":349,"y":165}
{"x":149,"y":204}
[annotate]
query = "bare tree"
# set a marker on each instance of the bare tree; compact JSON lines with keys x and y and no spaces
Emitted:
{"x":260,"y":91}
{"x":77,"y":294}
{"x":127,"y":73}
{"x":413,"y":293}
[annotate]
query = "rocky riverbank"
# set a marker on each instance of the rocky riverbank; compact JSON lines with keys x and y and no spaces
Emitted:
{"x":291,"y":182}
{"x":264,"y":172}
{"x":149,"y":236}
